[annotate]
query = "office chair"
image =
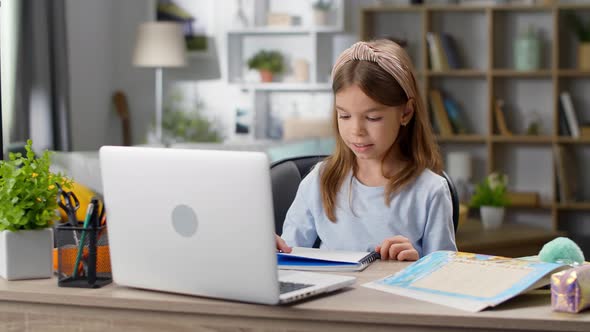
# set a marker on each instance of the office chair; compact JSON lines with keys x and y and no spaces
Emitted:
{"x":286,"y":175}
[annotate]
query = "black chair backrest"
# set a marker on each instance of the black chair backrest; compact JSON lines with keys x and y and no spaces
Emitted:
{"x":454,"y":199}
{"x":286,"y":175}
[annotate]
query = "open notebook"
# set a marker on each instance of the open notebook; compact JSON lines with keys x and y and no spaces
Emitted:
{"x":311,"y":259}
{"x":467,"y":281}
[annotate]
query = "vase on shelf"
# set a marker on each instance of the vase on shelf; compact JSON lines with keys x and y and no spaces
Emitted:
{"x":320,"y":17}
{"x":240,"y":19}
{"x":491,"y":216}
{"x":527,"y":51}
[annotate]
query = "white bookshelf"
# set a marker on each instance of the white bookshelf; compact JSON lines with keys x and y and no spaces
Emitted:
{"x":307,"y":41}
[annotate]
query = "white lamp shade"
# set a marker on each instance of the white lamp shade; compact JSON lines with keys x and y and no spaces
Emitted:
{"x":159,"y":44}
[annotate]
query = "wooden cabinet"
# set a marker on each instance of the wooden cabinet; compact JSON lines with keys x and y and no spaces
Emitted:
{"x":486,"y":40}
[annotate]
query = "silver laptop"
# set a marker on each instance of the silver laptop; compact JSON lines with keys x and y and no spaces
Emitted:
{"x":198,"y":222}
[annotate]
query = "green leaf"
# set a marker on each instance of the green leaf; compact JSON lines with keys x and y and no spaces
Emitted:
{"x":26,"y":200}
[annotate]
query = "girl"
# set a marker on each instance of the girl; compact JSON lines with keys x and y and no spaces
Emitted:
{"x":380,"y":189}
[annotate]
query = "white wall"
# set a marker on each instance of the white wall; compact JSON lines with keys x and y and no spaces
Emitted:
{"x":101,"y":38}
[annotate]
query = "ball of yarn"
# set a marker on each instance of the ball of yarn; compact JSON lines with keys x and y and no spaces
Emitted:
{"x":561,"y":250}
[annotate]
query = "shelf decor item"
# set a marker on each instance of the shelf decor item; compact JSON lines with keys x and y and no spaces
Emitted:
{"x":527,"y":51}
{"x":28,"y":209}
{"x":582,"y":31}
{"x":491,"y":196}
{"x":320,"y":11}
{"x":267,"y":63}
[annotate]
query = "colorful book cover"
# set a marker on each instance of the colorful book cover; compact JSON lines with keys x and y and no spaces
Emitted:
{"x":455,"y":116}
{"x":450,"y":49}
{"x":466,"y":281}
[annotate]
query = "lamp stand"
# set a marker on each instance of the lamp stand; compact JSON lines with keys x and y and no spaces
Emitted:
{"x":159,"y":104}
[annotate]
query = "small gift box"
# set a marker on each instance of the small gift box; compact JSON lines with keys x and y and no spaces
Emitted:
{"x":570,"y":289}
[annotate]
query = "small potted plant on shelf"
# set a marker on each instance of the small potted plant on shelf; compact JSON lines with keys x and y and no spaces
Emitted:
{"x":320,"y":11}
{"x":267,"y":63}
{"x":582,"y":31}
{"x":491,"y":197}
{"x":28,"y":209}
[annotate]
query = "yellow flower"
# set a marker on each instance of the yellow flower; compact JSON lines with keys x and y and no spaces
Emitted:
{"x":51,"y":187}
{"x":34,"y":175}
{"x":39,"y":199}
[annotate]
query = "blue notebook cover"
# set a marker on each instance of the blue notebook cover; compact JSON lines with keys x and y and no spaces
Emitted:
{"x":325,"y":260}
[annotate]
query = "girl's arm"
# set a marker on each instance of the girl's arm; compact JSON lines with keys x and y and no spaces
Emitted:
{"x":299,"y":227}
{"x":439,"y":233}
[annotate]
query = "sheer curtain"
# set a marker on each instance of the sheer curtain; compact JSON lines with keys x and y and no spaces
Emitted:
{"x":37,"y":97}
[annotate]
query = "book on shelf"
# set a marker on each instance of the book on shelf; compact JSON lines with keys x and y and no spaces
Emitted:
{"x":312,"y":259}
{"x":500,"y":119}
{"x":467,"y":281}
{"x":451,"y":51}
{"x":565,"y":171}
{"x":438,"y":61}
{"x":564,"y":129}
{"x":440,"y":114}
{"x":570,"y":114}
{"x":455,"y":116}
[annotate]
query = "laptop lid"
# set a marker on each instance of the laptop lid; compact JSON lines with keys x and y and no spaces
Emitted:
{"x":197,"y":222}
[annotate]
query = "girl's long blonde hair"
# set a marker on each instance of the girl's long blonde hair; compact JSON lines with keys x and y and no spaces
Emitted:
{"x":383,"y":71}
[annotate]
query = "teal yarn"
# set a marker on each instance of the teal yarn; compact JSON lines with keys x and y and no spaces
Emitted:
{"x":561,"y":250}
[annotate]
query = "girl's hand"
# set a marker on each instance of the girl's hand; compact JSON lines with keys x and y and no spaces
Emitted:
{"x":282,"y":245}
{"x":398,"y":248}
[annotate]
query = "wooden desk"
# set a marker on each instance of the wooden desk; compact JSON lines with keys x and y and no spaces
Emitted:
{"x":41,"y":305}
{"x":511,"y":240}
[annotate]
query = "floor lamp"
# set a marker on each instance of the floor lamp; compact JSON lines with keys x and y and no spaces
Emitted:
{"x":159,"y":45}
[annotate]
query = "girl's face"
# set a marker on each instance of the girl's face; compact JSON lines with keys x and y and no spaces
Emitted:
{"x":367,"y":127}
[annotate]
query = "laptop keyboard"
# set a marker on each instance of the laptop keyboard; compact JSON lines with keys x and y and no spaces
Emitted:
{"x":286,"y":287}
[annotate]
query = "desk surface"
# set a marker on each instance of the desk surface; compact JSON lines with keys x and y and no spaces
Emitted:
{"x":40,"y":302}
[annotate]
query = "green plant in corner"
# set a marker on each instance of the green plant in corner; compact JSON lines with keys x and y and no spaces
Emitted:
{"x":28,"y":194}
{"x":191,"y":125}
{"x":267,"y":60}
{"x":492,"y":191}
{"x":582,"y":30}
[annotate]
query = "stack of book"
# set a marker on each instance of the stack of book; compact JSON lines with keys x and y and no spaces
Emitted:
{"x":447,"y":115}
{"x":442,"y":52}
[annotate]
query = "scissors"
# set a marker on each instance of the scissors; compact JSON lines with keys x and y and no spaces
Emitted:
{"x":68,"y":201}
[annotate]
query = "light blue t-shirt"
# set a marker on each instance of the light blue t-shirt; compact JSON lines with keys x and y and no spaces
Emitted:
{"x":422,"y":212}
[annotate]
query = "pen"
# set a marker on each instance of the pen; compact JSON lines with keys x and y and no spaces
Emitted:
{"x":82,"y":238}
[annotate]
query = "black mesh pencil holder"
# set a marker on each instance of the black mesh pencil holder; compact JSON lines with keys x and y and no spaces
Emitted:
{"x":83,"y":258}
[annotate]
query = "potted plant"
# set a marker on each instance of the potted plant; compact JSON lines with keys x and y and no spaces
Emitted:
{"x":28,"y":209}
{"x":267,"y":63}
{"x":583,"y":33}
{"x":320,"y":11}
{"x":491,"y":196}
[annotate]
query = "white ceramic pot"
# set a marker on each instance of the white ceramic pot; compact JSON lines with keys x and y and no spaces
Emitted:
{"x":491,"y":216}
{"x":26,"y":254}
